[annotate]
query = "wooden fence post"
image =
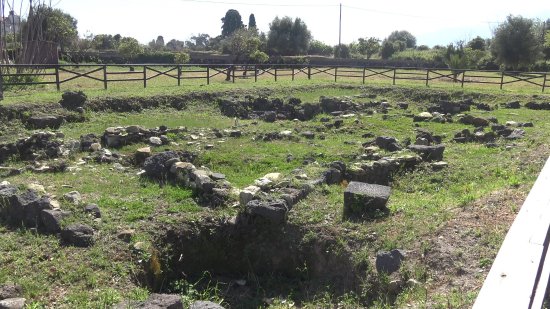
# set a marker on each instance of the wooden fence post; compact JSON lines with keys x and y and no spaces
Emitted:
{"x":335,"y":73}
{"x":292,"y":73}
{"x":364,"y":71}
{"x":208,"y":75}
{"x":309,"y":72}
{"x":233,"y":68}
{"x":255,"y":73}
{"x":462,"y":81}
{"x":57,"y":77}
{"x":275,"y":74}
{"x":144,"y":76}
{"x":394,"y":73}
{"x":179,"y":74}
{"x":543,"y":83}
{"x":427,"y":76}
{"x":105,"y":77}
{"x":501,"y":79}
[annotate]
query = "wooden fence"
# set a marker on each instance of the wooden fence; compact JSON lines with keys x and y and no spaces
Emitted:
{"x":58,"y":75}
{"x":520,"y":273}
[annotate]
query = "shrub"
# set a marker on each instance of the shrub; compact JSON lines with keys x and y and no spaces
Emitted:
{"x":258,"y":57}
{"x":73,"y":100}
{"x":181,"y":58}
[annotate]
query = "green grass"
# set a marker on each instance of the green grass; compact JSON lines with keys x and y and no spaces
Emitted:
{"x":163,"y":85}
{"x":422,"y":202}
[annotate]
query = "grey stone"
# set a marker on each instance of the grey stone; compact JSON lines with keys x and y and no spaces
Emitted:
{"x":133,"y":129}
{"x":156,"y":166}
{"x":424,"y":116}
{"x":361,"y":198}
{"x":272,"y":211}
{"x":203,"y":182}
{"x":93,"y":209}
{"x":247,"y":194}
{"x":332,"y":176}
{"x":155,"y":141}
{"x":114,"y":140}
{"x":126,"y":235}
{"x":527,"y":125}
{"x":142,"y":154}
{"x":10,"y":291}
{"x":171,"y":162}
{"x":73,"y":197}
{"x":23,"y":207}
{"x":217,"y":176}
{"x":205,"y":305}
{"x":78,"y":235}
{"x":51,"y":219}
{"x":292,"y":196}
{"x":516,"y":134}
{"x":13,"y":303}
{"x":162,"y":301}
{"x":403,"y":105}
{"x":269,"y":116}
{"x":235,"y":133}
{"x":73,"y":99}
{"x":308,"y":134}
{"x":387,"y":143}
{"x":512,"y":105}
{"x":429,"y":153}
{"x":475,"y":121}
{"x":43,"y":122}
{"x":389,"y":262}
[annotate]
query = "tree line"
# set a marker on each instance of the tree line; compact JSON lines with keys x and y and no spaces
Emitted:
{"x":518,"y":43}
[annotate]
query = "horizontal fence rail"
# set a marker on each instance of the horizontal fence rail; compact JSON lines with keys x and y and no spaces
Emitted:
{"x":520,"y":273}
{"x":105,"y":74}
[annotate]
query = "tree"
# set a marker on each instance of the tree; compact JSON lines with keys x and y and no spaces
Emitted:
{"x":200,"y":41}
{"x":456,"y":58}
{"x":477,"y":43}
{"x":242,"y":44}
{"x":368,"y":46}
{"x":160,"y":41}
{"x":251,"y":21}
{"x":231,"y":22}
{"x":157,"y":44}
{"x":57,"y":26}
{"x":342,"y":51}
{"x":175,"y":45}
{"x":514,"y":43}
{"x":387,"y":49}
{"x":105,"y":42}
{"x":287,"y":37}
{"x":319,"y":48}
{"x":403,"y":36}
{"x":129,"y":48}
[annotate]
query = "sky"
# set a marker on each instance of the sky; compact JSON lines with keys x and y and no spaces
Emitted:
{"x":432,"y":22}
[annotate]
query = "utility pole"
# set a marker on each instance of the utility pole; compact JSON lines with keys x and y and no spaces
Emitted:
{"x":340,"y":28}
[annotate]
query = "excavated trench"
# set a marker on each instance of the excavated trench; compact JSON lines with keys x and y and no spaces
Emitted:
{"x":307,"y":258}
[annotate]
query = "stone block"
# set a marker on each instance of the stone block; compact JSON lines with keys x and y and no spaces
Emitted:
{"x":361,"y":198}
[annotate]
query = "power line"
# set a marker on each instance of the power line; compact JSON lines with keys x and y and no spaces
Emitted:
{"x":261,"y":4}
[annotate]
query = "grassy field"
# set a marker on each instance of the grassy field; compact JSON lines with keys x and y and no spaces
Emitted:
{"x":194,"y":79}
{"x":450,"y":222}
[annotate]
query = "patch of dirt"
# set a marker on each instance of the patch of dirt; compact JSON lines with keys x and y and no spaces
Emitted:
{"x":460,"y":254}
